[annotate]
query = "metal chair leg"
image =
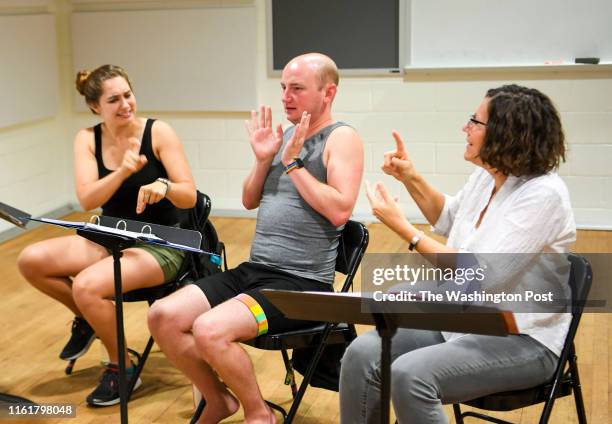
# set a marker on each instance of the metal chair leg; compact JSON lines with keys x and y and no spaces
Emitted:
{"x":70,"y":366}
{"x":279,"y":409}
{"x":290,"y":377}
{"x":484,"y":417}
{"x":577,"y":388}
{"x":457,"y":411}
{"x":198,"y":412}
{"x":309,"y":373}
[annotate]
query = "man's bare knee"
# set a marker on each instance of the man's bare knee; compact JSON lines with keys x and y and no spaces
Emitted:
{"x":210,"y":337}
{"x":161,"y":317}
{"x":177,"y":312}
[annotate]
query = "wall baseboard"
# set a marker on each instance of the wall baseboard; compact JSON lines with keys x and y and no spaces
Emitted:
{"x":233,"y":213}
{"x":368,"y":218}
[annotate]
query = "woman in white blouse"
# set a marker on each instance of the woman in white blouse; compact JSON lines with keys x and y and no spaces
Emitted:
{"x":515,"y":203}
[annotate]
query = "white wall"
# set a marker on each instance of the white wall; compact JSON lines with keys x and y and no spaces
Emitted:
{"x":430,"y":115}
{"x":35,"y":159}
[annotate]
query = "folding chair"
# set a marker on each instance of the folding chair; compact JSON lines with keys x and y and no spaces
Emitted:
{"x":186,"y":273}
{"x":563,"y":381}
{"x":351,"y":248}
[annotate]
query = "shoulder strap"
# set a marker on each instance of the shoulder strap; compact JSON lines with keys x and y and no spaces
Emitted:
{"x":98,"y":141}
{"x":146,"y":146}
{"x":102,"y":171}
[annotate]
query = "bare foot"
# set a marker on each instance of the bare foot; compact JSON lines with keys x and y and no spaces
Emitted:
{"x":272,"y":416}
{"x":214,"y":413}
{"x":267,"y":417}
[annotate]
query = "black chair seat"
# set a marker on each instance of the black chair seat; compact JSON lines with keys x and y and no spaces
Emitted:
{"x":151,"y":293}
{"x":306,"y":337}
{"x":510,"y":400}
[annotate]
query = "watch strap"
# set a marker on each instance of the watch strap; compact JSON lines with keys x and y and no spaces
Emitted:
{"x":415,"y":240}
{"x":167,"y":183}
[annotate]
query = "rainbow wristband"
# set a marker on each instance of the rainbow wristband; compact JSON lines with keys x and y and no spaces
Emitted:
{"x":257,"y":311}
{"x":296,"y":164}
{"x":291,"y":167}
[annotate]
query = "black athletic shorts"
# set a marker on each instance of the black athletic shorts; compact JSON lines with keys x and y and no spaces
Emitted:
{"x":245,"y":282}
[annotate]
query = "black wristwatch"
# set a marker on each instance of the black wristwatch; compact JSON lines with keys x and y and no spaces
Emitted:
{"x":296,"y":164}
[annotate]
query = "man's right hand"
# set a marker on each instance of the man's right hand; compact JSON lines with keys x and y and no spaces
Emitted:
{"x":264,"y":142}
{"x":132,"y":161}
{"x":397,"y":162}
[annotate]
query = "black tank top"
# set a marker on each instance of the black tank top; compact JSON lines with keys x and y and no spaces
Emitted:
{"x":123,"y":203}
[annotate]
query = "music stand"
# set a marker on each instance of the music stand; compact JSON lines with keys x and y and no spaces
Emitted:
{"x":13,"y":215}
{"x":106,"y":235}
{"x":350,"y":307}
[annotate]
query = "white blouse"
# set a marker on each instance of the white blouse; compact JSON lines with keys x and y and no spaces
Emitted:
{"x":527,"y":215}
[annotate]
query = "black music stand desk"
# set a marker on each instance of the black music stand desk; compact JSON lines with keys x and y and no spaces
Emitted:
{"x":106,"y":235}
{"x":354,"y":309}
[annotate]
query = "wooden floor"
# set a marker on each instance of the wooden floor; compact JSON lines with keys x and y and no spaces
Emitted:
{"x":33,"y":330}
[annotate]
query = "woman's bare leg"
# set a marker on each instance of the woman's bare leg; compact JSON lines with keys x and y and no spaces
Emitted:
{"x":48,"y":264}
{"x":93,"y":289}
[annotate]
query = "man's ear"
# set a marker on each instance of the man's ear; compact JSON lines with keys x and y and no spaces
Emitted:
{"x":330,"y":91}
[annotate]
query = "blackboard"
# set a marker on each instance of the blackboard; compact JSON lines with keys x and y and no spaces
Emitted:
{"x":356,"y":34}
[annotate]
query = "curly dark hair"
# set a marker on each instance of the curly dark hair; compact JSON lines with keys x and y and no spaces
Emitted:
{"x":89,"y":83}
{"x":524,"y":134}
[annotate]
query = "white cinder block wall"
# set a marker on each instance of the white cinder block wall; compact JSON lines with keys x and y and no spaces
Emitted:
{"x":430,"y":116}
{"x":36,"y":157}
{"x":36,"y":162}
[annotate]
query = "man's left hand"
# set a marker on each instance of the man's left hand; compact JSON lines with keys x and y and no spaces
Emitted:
{"x":294,"y":145}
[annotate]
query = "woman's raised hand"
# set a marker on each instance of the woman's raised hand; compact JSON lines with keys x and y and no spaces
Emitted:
{"x":385,"y":207}
{"x":397,"y":162}
{"x":132,"y":161}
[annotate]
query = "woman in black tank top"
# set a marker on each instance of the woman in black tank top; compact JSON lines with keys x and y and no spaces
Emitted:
{"x":132,"y":168}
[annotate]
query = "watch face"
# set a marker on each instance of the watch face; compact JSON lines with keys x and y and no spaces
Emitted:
{"x":299,"y":162}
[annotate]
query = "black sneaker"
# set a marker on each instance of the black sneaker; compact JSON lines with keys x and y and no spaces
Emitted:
{"x":82,"y":337}
{"x":107,"y":392}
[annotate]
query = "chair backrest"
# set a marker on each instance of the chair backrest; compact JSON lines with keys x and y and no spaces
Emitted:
{"x":580,"y":280}
{"x":196,"y":218}
{"x":352,"y":245}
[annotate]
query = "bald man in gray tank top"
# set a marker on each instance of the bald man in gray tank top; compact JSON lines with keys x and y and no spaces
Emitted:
{"x":305,"y":182}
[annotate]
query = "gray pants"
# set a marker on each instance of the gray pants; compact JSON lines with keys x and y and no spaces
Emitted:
{"x":427,"y":372}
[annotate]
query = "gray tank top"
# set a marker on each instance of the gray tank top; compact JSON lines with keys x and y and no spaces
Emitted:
{"x":290,"y":235}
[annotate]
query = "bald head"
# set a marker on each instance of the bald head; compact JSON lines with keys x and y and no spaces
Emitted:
{"x":325,"y":69}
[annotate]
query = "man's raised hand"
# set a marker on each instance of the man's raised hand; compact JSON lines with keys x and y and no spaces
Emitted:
{"x":264,"y":142}
{"x":294,"y":145}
